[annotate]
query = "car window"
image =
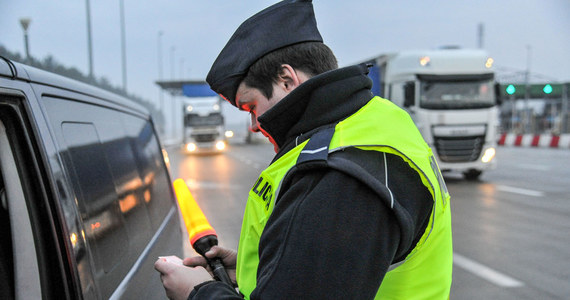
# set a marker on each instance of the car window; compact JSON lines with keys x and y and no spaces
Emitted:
{"x":113,"y":183}
{"x":99,"y":205}
{"x":147,"y":155}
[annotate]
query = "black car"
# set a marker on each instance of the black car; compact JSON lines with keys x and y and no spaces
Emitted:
{"x":87,"y":203}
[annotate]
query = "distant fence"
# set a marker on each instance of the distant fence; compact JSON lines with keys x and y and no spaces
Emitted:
{"x":535,"y":140}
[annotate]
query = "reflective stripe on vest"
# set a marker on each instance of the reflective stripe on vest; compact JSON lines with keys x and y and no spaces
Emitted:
{"x":378,"y":126}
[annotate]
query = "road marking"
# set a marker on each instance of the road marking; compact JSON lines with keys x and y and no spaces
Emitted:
{"x":534,"y":167}
{"x":194,"y":184}
{"x":485,"y":272}
{"x":510,"y":189}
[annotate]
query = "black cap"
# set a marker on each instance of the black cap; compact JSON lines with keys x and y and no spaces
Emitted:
{"x":283,"y":24}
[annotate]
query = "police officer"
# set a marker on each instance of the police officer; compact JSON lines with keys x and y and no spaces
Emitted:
{"x":353,"y":205}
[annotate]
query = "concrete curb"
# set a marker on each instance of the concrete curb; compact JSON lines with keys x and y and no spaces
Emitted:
{"x":535,"y":140}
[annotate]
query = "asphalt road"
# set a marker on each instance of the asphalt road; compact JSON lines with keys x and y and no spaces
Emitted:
{"x":511,"y":228}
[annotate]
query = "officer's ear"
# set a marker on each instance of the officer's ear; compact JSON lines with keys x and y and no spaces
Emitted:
{"x":289,"y":78}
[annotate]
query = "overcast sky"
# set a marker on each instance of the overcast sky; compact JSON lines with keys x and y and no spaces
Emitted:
{"x":517,"y":33}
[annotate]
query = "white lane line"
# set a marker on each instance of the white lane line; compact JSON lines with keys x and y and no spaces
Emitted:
{"x":534,"y":167}
{"x":510,"y":189}
{"x":194,"y":184}
{"x":485,"y":272}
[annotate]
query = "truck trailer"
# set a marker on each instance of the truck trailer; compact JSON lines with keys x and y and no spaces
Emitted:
{"x":450,"y":93}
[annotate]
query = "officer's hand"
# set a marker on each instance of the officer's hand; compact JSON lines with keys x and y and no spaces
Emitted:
{"x":229,"y":258}
{"x":179,"y":280}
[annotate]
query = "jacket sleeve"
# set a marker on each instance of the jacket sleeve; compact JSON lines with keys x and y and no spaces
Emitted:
{"x":213,"y":290}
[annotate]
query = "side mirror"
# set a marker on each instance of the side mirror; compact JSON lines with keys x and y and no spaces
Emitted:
{"x":498,"y":96}
{"x":409,"y":94}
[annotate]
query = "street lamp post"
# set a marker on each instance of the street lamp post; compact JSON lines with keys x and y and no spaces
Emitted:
{"x":480,"y":35}
{"x":89,"y":43}
{"x":181,"y":68}
{"x":160,"y":33}
{"x":172,"y":50}
{"x":25,"y":22}
{"x":123,"y":45}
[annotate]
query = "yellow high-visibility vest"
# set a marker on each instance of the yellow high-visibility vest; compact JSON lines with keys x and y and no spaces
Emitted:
{"x":380,"y":126}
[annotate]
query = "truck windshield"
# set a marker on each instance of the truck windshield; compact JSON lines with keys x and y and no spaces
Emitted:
{"x":462,"y":94}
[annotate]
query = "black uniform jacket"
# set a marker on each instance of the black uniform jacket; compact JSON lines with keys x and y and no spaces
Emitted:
{"x":330,"y":236}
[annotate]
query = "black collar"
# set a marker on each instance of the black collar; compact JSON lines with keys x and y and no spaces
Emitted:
{"x":324,"y":99}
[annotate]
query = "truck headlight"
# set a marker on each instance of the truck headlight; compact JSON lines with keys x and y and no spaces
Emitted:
{"x":220,"y":145}
{"x":191,"y":147}
{"x":488,"y":155}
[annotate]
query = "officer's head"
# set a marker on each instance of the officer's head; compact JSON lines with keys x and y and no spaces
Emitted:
{"x":268,"y":56}
{"x":311,"y":58}
{"x":284,"y":33}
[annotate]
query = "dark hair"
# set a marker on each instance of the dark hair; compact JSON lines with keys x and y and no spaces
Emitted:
{"x":312,"y":58}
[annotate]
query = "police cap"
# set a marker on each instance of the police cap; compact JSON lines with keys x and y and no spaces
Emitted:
{"x":283,"y":24}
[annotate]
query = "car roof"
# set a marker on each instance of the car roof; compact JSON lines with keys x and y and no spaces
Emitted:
{"x":19,"y":71}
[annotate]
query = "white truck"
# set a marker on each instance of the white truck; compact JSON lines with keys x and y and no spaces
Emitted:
{"x":209,"y":124}
{"x":203,"y":125}
{"x":450,"y":94}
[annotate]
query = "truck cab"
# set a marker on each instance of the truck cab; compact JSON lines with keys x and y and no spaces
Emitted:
{"x":203,"y":125}
{"x":450,"y":95}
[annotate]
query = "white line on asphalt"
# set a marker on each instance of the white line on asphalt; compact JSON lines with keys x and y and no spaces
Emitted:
{"x":194,"y":184}
{"x":510,"y":189}
{"x":485,"y":272}
{"x":534,"y":167}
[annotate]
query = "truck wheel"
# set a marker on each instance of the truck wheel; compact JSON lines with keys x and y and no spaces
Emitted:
{"x":472,"y":174}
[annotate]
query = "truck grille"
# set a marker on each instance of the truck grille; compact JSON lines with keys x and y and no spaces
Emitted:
{"x":204,"y":138}
{"x":459,"y":149}
{"x":209,"y":120}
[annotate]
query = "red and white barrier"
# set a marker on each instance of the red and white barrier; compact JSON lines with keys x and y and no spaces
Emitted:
{"x":535,"y":140}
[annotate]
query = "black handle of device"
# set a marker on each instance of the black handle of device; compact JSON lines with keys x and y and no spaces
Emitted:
{"x":202,"y":246}
{"x":219,"y":270}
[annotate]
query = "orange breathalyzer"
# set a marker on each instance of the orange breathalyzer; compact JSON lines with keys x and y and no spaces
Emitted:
{"x":201,"y":234}
{"x":195,"y":220}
